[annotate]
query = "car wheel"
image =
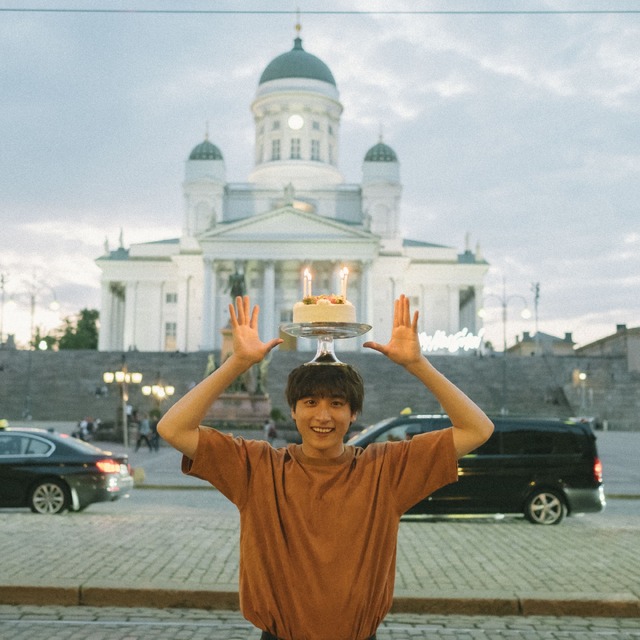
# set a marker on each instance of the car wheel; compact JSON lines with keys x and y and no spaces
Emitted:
{"x":545,"y":507}
{"x":50,"y":496}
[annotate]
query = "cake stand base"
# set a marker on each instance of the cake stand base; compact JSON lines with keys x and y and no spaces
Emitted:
{"x":326,"y":332}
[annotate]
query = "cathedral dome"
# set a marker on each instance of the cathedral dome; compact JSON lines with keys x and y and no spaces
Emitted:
{"x":381,"y":152}
{"x":205,"y":151}
{"x":297,"y":63}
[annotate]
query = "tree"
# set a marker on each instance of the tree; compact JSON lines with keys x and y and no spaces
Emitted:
{"x":81,"y":331}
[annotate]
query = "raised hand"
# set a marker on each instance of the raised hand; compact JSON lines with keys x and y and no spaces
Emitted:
{"x":247,"y":345}
{"x":404,"y":346}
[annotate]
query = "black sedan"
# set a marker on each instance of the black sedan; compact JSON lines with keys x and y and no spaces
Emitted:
{"x":51,"y":472}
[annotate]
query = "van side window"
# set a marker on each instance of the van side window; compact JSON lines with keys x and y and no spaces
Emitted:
{"x":566,"y":443}
{"x":490,"y":448}
{"x":527,"y":442}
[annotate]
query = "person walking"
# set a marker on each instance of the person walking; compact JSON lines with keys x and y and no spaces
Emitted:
{"x":144,"y":432}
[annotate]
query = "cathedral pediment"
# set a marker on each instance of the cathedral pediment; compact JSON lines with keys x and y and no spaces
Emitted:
{"x":288,"y":233}
{"x":287,"y":224}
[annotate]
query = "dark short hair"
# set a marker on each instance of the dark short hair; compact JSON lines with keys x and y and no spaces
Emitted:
{"x":341,"y":381}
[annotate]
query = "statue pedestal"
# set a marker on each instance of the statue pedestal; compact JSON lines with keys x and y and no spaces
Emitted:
{"x":243,"y":403}
{"x":240,"y":407}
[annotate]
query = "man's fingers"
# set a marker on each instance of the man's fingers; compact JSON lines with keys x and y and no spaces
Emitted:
{"x":232,"y":315}
{"x":374,"y":345}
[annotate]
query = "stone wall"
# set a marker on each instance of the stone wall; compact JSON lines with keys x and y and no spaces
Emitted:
{"x":67,"y":385}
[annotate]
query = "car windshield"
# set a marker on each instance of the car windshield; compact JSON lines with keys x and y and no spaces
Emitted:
{"x":369,"y":429}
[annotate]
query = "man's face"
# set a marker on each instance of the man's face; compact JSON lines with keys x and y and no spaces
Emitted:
{"x":323,"y":422}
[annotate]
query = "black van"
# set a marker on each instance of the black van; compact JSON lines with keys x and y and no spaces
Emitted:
{"x":543,"y":468}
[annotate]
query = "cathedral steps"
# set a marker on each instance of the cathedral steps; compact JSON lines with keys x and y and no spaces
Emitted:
{"x":67,"y":385}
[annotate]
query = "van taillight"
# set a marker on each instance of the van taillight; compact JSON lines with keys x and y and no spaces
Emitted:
{"x":597,"y":469}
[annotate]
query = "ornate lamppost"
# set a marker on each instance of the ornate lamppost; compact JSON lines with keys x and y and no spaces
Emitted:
{"x":159,"y":391}
{"x":123,"y":378}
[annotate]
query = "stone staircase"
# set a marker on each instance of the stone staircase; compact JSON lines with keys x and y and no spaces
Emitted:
{"x":67,"y":385}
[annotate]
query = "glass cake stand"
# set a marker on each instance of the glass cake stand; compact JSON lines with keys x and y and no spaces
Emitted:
{"x":326,"y":333}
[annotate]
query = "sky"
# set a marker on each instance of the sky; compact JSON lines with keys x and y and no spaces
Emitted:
{"x":518,"y":129}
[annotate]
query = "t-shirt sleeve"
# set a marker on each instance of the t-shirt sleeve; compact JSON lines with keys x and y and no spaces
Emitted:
{"x":226,"y":462}
{"x":420,"y":466}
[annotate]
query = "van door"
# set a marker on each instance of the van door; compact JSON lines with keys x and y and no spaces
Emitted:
{"x":476,"y":490}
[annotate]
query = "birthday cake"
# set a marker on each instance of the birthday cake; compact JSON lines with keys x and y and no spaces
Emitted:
{"x":331,"y":308}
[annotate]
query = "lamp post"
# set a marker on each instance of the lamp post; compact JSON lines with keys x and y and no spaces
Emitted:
{"x":35,"y":288}
{"x":123,"y":378}
{"x":504,"y":301}
{"x":159,"y":391}
{"x":3,"y":280}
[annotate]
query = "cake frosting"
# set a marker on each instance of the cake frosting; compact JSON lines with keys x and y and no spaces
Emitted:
{"x":332,"y":308}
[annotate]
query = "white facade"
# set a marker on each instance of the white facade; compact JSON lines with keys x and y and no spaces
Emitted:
{"x":295,"y":212}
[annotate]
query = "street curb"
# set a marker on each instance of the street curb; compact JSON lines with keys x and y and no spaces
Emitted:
{"x":225,"y":597}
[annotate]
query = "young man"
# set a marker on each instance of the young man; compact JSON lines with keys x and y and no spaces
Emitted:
{"x":319,"y":521}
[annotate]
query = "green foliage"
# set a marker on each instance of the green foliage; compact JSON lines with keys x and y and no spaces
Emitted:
{"x":38,"y":339}
{"x":277,"y":415}
{"x":80,"y":332}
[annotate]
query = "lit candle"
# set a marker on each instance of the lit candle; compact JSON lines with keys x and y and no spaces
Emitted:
{"x":306,"y":290}
{"x":344,"y":274}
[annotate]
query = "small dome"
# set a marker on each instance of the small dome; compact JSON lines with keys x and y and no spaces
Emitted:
{"x":381,"y":152}
{"x":297,"y":63}
{"x":205,"y":151}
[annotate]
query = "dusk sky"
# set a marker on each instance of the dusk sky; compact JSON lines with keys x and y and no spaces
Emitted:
{"x":519,"y":129}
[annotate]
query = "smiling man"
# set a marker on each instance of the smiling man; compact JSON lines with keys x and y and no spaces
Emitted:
{"x":319,"y":521}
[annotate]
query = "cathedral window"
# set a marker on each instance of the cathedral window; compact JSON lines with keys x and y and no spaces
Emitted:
{"x":171,"y":298}
{"x":275,"y":125}
{"x":295,"y":148}
{"x":315,"y":149}
{"x":315,"y":125}
{"x":330,"y":130}
{"x":170,"y":336}
{"x":275,"y":149}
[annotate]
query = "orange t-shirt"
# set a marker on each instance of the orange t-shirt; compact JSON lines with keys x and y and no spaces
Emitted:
{"x":318,"y":537}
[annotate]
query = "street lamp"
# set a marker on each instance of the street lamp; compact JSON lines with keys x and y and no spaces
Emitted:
{"x":123,"y":378}
{"x":3,"y":280}
{"x":35,"y":288}
{"x":504,"y":301}
{"x":159,"y":391}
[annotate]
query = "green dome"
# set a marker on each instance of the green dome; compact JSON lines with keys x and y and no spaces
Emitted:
{"x":205,"y":151}
{"x":381,"y":153}
{"x":297,"y":63}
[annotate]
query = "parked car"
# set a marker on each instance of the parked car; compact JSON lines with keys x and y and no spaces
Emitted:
{"x":52,"y":473}
{"x":543,"y":468}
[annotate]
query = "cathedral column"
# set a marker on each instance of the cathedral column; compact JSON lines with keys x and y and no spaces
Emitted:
{"x":366,"y":288}
{"x":184,"y":301}
{"x":454,"y":308}
{"x":130,"y":315}
{"x":207,"y":340}
{"x":269,"y":329}
{"x":105,"y":337}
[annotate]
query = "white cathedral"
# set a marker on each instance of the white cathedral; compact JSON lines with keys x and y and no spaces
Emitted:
{"x":295,"y":212}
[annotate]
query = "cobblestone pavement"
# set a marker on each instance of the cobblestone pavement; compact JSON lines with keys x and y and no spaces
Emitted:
{"x":505,"y":566}
{"x":166,"y":570}
{"x":97,"y":623}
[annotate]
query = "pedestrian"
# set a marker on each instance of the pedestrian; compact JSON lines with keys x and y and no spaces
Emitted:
{"x":270,"y":431}
{"x":144,"y":432}
{"x":319,"y":520}
{"x":154,"y":438}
